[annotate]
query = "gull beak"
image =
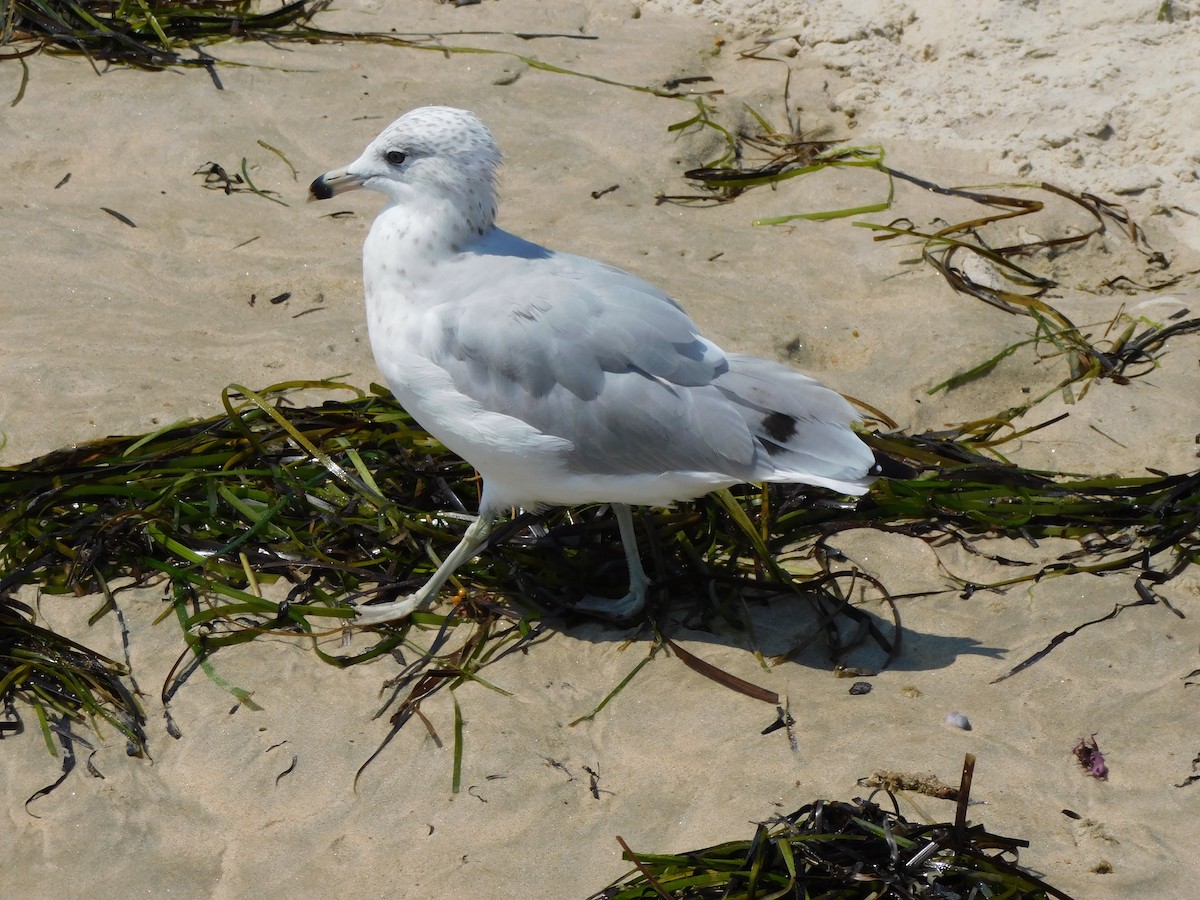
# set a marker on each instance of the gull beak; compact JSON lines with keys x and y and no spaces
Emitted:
{"x":333,"y":183}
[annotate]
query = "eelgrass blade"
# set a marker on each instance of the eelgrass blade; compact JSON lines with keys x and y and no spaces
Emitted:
{"x":456,"y":778}
{"x":608,"y":698}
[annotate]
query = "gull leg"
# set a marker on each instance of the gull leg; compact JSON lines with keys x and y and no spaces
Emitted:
{"x":634,"y":602}
{"x":475,"y":537}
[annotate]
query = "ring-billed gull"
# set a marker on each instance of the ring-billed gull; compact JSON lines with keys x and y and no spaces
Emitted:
{"x":562,"y":380}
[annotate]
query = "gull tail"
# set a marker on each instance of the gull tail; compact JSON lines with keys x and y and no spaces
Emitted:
{"x":805,"y":430}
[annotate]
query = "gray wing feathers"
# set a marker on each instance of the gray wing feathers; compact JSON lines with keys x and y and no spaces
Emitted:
{"x":553,"y":335}
{"x":597,"y":356}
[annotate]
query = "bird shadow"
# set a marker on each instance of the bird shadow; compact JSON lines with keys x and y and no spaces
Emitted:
{"x":812,"y":625}
{"x":835,"y":617}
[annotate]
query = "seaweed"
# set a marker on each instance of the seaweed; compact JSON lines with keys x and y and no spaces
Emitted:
{"x":275,"y":519}
{"x":142,"y":33}
{"x":156,"y":35}
{"x":836,"y":849}
{"x":1128,"y":348}
{"x":1090,"y":758}
{"x":62,"y":682}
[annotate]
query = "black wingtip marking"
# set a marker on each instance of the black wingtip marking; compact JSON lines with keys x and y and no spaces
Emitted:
{"x":779,"y":427}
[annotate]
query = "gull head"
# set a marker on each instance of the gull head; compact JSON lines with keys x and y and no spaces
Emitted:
{"x":433,"y":156}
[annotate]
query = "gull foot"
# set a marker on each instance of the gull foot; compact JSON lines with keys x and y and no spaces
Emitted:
{"x":620,"y":611}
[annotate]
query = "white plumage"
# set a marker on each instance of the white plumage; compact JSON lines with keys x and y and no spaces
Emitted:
{"x":561,"y":379}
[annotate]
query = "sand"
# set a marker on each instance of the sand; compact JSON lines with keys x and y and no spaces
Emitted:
{"x":111,"y":329}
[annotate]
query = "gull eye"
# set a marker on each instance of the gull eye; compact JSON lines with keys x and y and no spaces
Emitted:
{"x":394,"y":157}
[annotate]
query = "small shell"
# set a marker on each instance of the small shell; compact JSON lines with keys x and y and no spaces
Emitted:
{"x":958,"y":720}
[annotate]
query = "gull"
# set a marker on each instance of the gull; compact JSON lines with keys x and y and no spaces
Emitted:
{"x":562,"y":380}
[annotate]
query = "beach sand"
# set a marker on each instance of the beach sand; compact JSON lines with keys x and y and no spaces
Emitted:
{"x":110,"y":329}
